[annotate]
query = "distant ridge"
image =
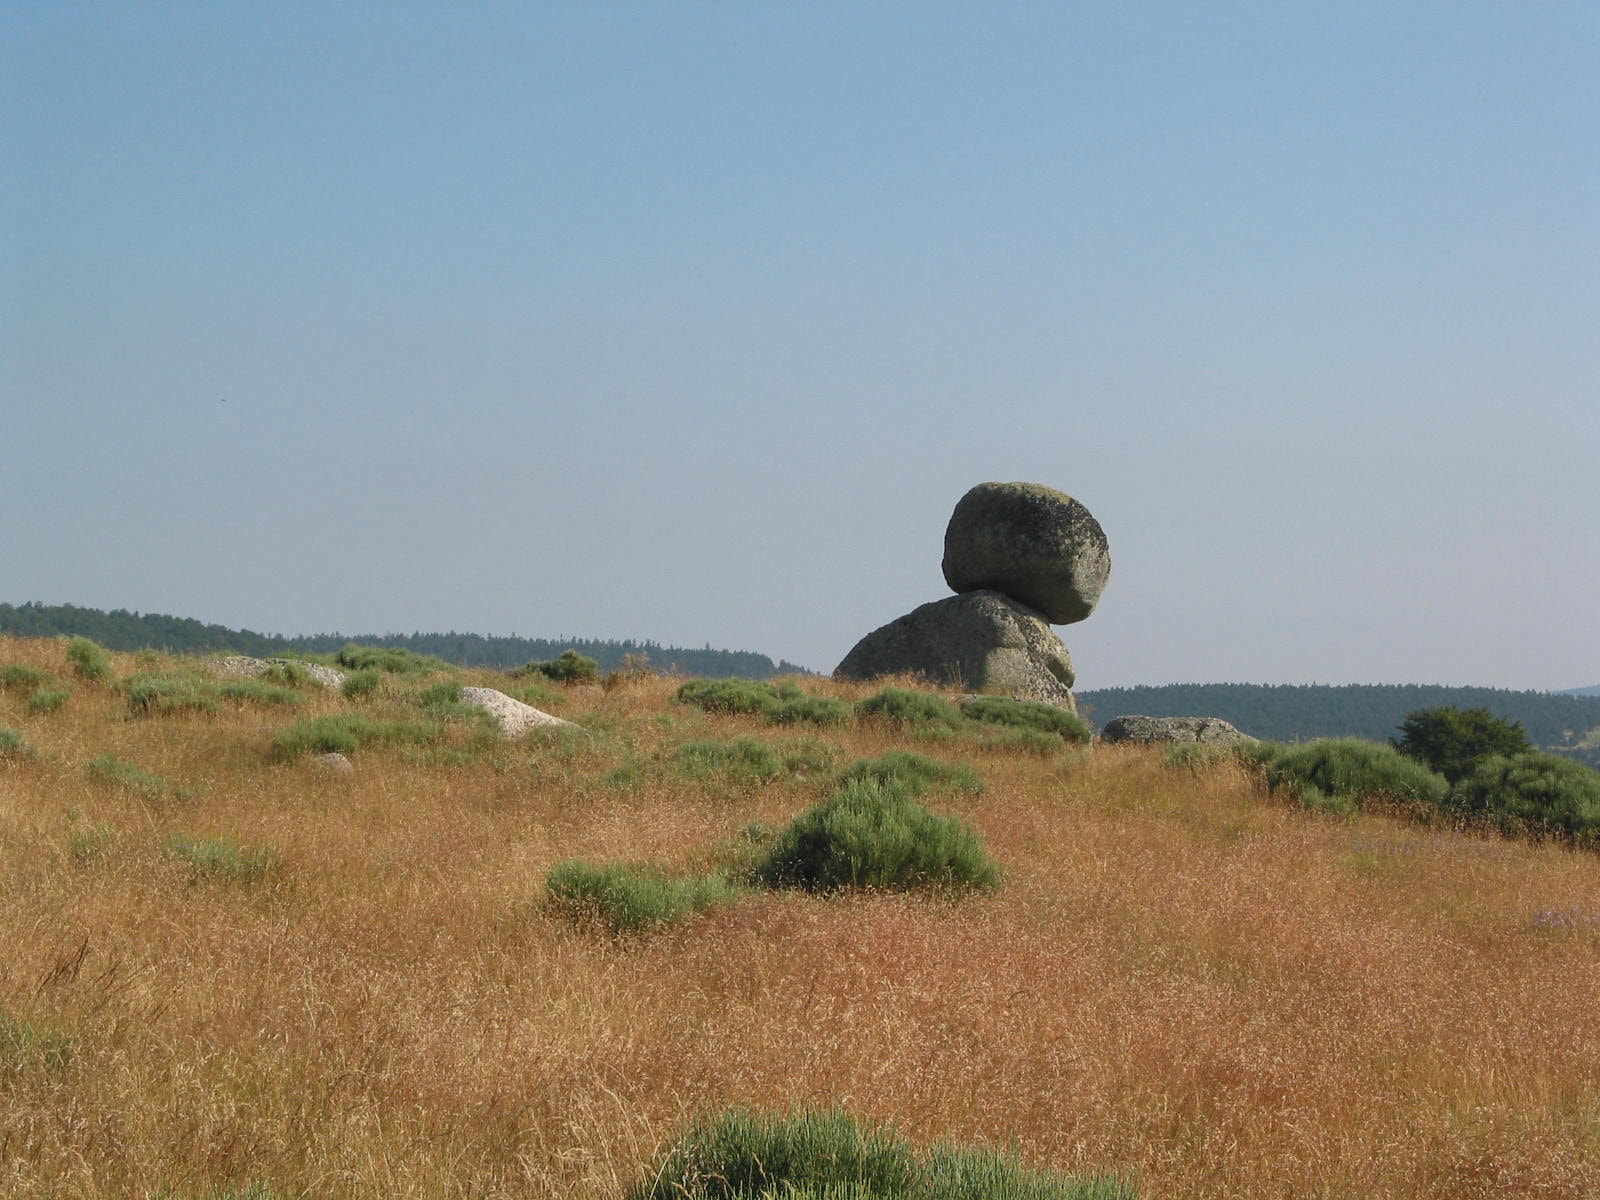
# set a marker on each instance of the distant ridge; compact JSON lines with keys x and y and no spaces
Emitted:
{"x":120,"y":629}
{"x":1588,"y":691}
{"x":1291,"y":712}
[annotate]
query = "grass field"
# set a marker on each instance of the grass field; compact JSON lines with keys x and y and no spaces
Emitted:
{"x":229,"y":971}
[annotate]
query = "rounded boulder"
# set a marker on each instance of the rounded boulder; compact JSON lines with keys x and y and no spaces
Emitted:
{"x":1033,"y":543}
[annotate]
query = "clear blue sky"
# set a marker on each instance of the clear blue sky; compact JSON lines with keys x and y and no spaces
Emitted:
{"x":692,"y":321}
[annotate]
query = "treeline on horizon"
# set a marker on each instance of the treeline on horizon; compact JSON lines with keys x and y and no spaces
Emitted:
{"x":1300,"y":712}
{"x":120,"y":629}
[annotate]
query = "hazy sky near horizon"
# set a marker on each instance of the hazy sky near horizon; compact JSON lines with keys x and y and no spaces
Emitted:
{"x":692,"y":321}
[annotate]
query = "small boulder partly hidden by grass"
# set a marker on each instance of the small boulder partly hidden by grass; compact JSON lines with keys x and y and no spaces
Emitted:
{"x":223,"y":859}
{"x":1534,"y":792}
{"x":809,"y":1155}
{"x":872,"y":834}
{"x":915,"y":773}
{"x":1343,"y":774}
{"x":88,"y":660}
{"x":1027,"y":715}
{"x":629,"y":898}
{"x":907,"y":709}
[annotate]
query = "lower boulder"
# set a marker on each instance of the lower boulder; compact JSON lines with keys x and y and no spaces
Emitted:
{"x":981,"y":641}
{"x":1209,"y":730}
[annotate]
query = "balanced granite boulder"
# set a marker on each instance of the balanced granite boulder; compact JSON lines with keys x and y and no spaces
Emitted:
{"x":982,"y":641}
{"x":1205,"y":730}
{"x":1031,"y":542}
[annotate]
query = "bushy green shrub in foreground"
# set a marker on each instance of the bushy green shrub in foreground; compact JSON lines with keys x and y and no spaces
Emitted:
{"x":872,"y":834}
{"x":1541,"y":791}
{"x":1348,"y":772}
{"x":47,"y":700}
{"x":907,"y":709}
{"x":630,"y":898}
{"x":19,"y":677}
{"x":88,"y":660}
{"x":741,"y":1155}
{"x":1027,"y":714}
{"x":152,"y":694}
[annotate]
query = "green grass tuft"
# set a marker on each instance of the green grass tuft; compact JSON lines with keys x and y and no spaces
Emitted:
{"x":153,"y":694}
{"x":907,"y":709}
{"x":258,"y":692}
{"x":223,"y":859}
{"x":15,"y":747}
{"x":915,"y":773}
{"x":632,"y":898}
{"x":1027,"y":714}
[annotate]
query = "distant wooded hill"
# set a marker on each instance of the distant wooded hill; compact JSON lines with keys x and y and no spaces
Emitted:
{"x":1287,"y":712}
{"x":123,"y":630}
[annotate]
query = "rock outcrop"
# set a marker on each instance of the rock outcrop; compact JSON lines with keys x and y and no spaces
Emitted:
{"x":1020,"y":557}
{"x":1033,"y":543}
{"x":513,"y":716}
{"x":981,"y":642}
{"x":1208,"y":730}
{"x":239,"y":666}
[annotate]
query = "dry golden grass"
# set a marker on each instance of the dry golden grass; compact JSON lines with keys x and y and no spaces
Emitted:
{"x":1182,"y":978}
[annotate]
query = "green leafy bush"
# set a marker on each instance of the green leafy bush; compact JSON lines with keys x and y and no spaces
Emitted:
{"x":631,"y":898}
{"x":158,"y":694}
{"x":907,"y":709}
{"x":745,"y":761}
{"x":223,"y":859}
{"x":567,"y":667}
{"x":360,"y":683}
{"x":88,"y":660}
{"x":1347,"y":772}
{"x":48,"y":700}
{"x":19,"y":677}
{"x":1533,"y":790}
{"x":914,"y":773}
{"x":14,"y":746}
{"x":734,"y":696}
{"x":1452,"y":741}
{"x":392,"y":662}
{"x":809,"y":1155}
{"x":344,"y":733}
{"x":809,"y":710}
{"x":1027,"y":714}
{"x":873,"y":834}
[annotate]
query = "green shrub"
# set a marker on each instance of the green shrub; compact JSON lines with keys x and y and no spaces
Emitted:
{"x":808,"y":710}
{"x":1027,"y":714}
{"x":567,"y":667}
{"x":14,"y":746}
{"x":153,"y":694}
{"x":1348,"y":772}
{"x":915,"y":773}
{"x":808,"y":1155}
{"x":391,"y":661}
{"x":112,"y":771}
{"x":872,"y":834}
{"x":360,"y":683}
{"x":223,"y":859}
{"x":47,"y":700}
{"x":735,"y":696}
{"x":88,"y":660}
{"x":632,"y":899}
{"x":344,"y":733}
{"x":1452,"y":741}
{"x":746,"y":761}
{"x":256,"y":691}
{"x":906,"y":709}
{"x":1533,"y":790}
{"x":19,"y":677}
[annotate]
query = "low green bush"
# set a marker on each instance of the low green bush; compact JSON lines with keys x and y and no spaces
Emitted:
{"x":159,"y":694}
{"x":391,"y":661}
{"x":223,"y":859}
{"x":810,"y":1155}
{"x":745,"y":761}
{"x":915,"y":773}
{"x":19,"y":677}
{"x":808,"y":710}
{"x":907,"y":709}
{"x":1344,"y":773}
{"x":287,"y":674}
{"x":14,"y":746}
{"x":360,"y":683}
{"x":88,"y":660}
{"x":259,"y":692}
{"x":734,"y":696}
{"x":1534,"y":791}
{"x":567,"y":667}
{"x":1022,"y":741}
{"x":631,"y":898}
{"x":48,"y":700}
{"x":1197,"y":756}
{"x":344,"y":733}
{"x":1027,"y":714}
{"x":874,"y":835}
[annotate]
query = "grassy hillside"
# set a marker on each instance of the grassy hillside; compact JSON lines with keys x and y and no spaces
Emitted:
{"x":232,"y":972}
